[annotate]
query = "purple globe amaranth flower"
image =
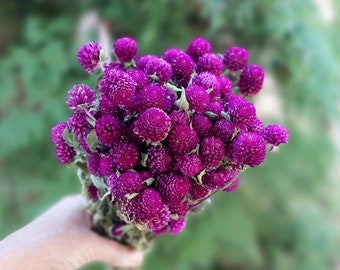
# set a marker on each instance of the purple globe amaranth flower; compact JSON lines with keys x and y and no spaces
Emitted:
{"x":179,"y":117}
{"x":275,"y":134}
{"x":218,"y":178}
{"x":160,"y":68}
{"x":226,"y":86}
{"x":235,"y":58}
{"x":107,"y":165}
{"x":79,"y":125}
{"x":93,"y":164}
{"x":151,"y":96}
{"x":143,"y":60}
{"x":140,"y":78}
{"x":208,"y":81}
{"x":176,"y":226}
{"x":126,"y":155}
{"x":197,"y":97}
{"x":256,"y":126}
{"x":65,"y":153}
{"x":212,"y":152}
{"x":89,"y":56}
{"x":170,"y":101}
{"x":106,"y":105}
{"x":117,"y":85}
{"x":182,"y":65}
{"x":151,"y":202}
{"x":81,"y":97}
{"x":108,"y":129}
{"x":234,"y":184}
{"x":152,"y":125}
{"x":247,"y":148}
{"x":145,"y":174}
{"x":197,"y":47}
{"x":198,"y":192}
{"x":173,"y":187}
{"x":182,"y":139}
{"x":57,"y":133}
{"x":93,"y":192}
{"x":210,"y":62}
{"x":224,"y":130}
{"x":189,"y":164}
{"x":158,"y":223}
{"x":126,"y":49}
{"x":179,"y":208}
{"x":159,"y":159}
{"x":202,"y":124}
{"x":251,"y":80}
{"x":112,"y":179}
{"x":128,"y":182}
{"x":241,"y":111}
{"x":215,"y":106}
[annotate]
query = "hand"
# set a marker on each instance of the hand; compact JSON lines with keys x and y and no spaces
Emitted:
{"x":61,"y":238}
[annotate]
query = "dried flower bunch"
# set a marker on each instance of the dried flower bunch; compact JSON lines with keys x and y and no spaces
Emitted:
{"x":160,"y":135}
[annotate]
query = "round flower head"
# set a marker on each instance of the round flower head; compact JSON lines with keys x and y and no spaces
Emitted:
{"x":234,"y":184}
{"x":106,"y":105}
{"x":158,"y":224}
{"x":152,"y":125}
{"x":106,"y":165}
{"x":173,"y":187}
{"x":159,"y":159}
{"x":189,"y":164}
{"x":65,"y":153}
{"x":89,"y":56}
{"x":198,"y":47}
{"x":197,"y":97}
{"x":79,"y":125}
{"x":140,"y":78}
{"x":179,"y":117}
{"x":202,"y":124}
{"x":126,"y":49}
{"x":93,"y":192}
{"x":141,"y":63}
{"x":108,"y":129}
{"x":80,"y":97}
{"x":216,"y":106}
{"x":169,"y":101}
{"x":160,"y":68}
{"x":93,"y":164}
{"x":151,"y":202}
{"x":182,"y":139}
{"x":128,"y":182}
{"x":126,"y":155}
{"x":217,"y":179}
{"x":208,"y":81}
{"x":251,"y":80}
{"x":117,"y":86}
{"x":224,"y":130}
{"x":247,"y":148}
{"x":151,"y":96}
{"x":256,"y":126}
{"x":226,"y":86}
{"x":241,"y":111}
{"x":212,"y":152}
{"x":170,"y":54}
{"x":176,"y":226}
{"x":198,"y":192}
{"x":235,"y":58}
{"x":275,"y":134}
{"x":179,"y":208}
{"x":211,"y":63}
{"x":57,"y":133}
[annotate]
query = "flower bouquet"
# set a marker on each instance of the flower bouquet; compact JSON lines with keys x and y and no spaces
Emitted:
{"x":158,"y":136}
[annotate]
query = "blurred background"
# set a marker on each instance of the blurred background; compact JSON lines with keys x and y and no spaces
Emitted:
{"x":284,"y":215}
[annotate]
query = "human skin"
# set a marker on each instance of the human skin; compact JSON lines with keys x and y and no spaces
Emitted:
{"x":61,"y":238}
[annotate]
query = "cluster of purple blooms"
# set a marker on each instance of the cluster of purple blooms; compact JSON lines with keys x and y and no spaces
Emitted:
{"x":166,"y":132}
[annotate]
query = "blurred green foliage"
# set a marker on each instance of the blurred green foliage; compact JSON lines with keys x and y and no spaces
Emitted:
{"x":281,"y":217}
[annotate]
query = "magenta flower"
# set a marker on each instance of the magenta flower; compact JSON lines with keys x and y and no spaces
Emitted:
{"x":151,"y":96}
{"x":235,"y":58}
{"x":176,"y":226}
{"x":197,"y":97}
{"x":65,"y":153}
{"x":189,"y":164}
{"x":126,"y":155}
{"x":108,"y":129}
{"x":208,"y":81}
{"x":202,"y":124}
{"x":226,"y":86}
{"x":182,"y":139}
{"x":217,"y":179}
{"x":209,"y":62}
{"x":198,"y":47}
{"x":152,"y":125}
{"x":275,"y":134}
{"x":247,"y":149}
{"x":93,"y":164}
{"x":143,"y":60}
{"x":88,"y":56}
{"x":224,"y":130}
{"x":79,"y":125}
{"x":140,"y":78}
{"x":179,"y":117}
{"x":80,"y":97}
{"x":160,"y":68}
{"x":198,"y":192}
{"x":159,"y":159}
{"x":107,"y":165}
{"x":57,"y":133}
{"x":211,"y":152}
{"x":126,"y":49}
{"x":128,"y":182}
{"x":251,"y":80}
{"x":235,"y":183}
